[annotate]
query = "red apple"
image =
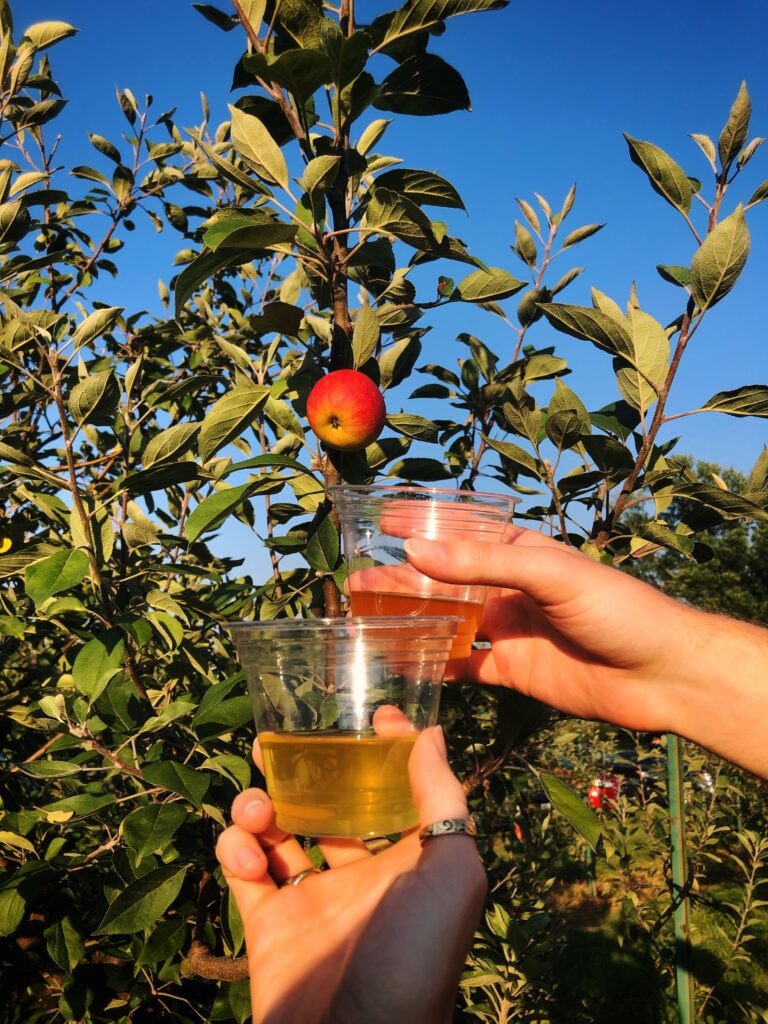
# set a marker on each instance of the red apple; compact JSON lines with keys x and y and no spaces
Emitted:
{"x":346,"y":410}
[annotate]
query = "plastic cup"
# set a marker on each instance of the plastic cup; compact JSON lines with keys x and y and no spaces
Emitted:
{"x":377,"y":520}
{"x":338,"y":704}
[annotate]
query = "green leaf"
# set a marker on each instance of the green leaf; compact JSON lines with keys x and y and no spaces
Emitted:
{"x":47,"y":33}
{"x":749,"y":151}
{"x":150,"y":828}
{"x":246,"y":229}
{"x":580,"y":234}
{"x":730,"y":505}
{"x":214,"y":509}
{"x":571,"y":806}
{"x":530,"y":215}
{"x":423,"y":85}
{"x":706,"y":145}
{"x":301,"y":72}
{"x":143,"y":902}
{"x":230,"y":171}
{"x":425,"y":470}
{"x":563,"y":429}
{"x":520,"y":459}
{"x":661,"y":533}
{"x":759,"y":473}
{"x":613,"y":460}
{"x":178,"y":778}
{"x":397,"y":215}
{"x":203,"y":267}
{"x":94,"y":397}
{"x":58,"y":572}
{"x":365,"y":336}
{"x":160,"y":477}
{"x":12,"y":910}
{"x":416,"y":16}
{"x":229,"y":417}
{"x":65,"y":945}
{"x":320,"y":174}
{"x":524,"y":246}
{"x":94,"y":325}
{"x":51,"y":769}
{"x":322,"y":550}
{"x":422,"y":187}
{"x":759,"y":195}
{"x":734,"y":134}
{"x":750,"y":400}
{"x":640,"y":382}
{"x":681,"y":276}
{"x":259,"y":461}
{"x":170,"y":443}
{"x":396,"y":362}
{"x":716,"y":266}
{"x":666,"y":177}
{"x":96,"y":663}
{"x":417,"y":427}
{"x":178,"y":709}
{"x":486,"y":286}
{"x":564,"y":399}
{"x":590,"y":324}
{"x":257,"y":147}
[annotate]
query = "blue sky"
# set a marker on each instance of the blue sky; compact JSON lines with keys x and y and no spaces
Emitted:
{"x":553,"y":87}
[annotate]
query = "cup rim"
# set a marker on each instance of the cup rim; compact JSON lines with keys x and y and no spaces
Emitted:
{"x":376,"y":489}
{"x":364,"y":624}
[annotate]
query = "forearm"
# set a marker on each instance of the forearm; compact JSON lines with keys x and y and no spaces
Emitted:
{"x":719,"y":695}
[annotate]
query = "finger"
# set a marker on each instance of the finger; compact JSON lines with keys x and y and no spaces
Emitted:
{"x":245,"y":869}
{"x":437,"y":792}
{"x":253,"y":812}
{"x":545,"y":572}
{"x":240,"y":854}
{"x":390,"y":721}
{"x":338,"y":852}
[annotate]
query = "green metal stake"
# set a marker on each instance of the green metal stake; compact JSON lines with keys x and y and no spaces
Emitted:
{"x":686,"y":1013}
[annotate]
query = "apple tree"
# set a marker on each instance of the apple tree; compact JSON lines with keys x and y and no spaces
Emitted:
{"x":129,"y":440}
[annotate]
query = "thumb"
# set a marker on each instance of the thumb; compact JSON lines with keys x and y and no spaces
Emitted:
{"x":437,"y":792}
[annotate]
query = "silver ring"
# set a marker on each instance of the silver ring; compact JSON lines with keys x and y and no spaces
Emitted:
{"x":296,"y":879}
{"x":448,"y":827}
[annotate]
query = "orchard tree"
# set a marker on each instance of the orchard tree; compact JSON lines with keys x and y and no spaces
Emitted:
{"x":128,"y":440}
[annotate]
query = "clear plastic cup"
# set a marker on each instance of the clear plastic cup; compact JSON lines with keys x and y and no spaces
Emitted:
{"x":338,"y":704}
{"x":377,"y":520}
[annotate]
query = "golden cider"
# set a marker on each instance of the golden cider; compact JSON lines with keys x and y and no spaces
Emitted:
{"x":339,"y":784}
{"x":366,"y":602}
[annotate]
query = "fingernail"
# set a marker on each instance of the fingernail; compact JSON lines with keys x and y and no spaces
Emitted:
{"x":254,"y":804}
{"x":247,"y":859}
{"x":438,"y":738}
{"x":417,"y":547}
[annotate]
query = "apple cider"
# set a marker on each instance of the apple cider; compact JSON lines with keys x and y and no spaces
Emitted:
{"x":339,"y":784}
{"x":366,"y":602}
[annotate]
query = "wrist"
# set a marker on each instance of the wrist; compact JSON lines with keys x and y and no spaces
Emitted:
{"x":718,"y":688}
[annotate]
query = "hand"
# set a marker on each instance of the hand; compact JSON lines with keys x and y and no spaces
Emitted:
{"x":374,"y":938}
{"x":596,"y":643}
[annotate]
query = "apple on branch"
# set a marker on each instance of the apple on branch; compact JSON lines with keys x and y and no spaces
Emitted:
{"x":346,"y":410}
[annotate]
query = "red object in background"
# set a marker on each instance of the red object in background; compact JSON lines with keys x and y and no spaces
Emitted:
{"x":603,"y":792}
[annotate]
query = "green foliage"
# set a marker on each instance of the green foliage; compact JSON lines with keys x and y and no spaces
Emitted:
{"x":127,"y":440}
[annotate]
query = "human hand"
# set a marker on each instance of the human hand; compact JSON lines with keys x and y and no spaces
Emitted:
{"x":567,"y":630}
{"x":374,"y":938}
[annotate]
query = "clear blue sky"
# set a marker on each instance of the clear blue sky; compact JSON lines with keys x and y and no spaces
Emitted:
{"x":553,"y":87}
